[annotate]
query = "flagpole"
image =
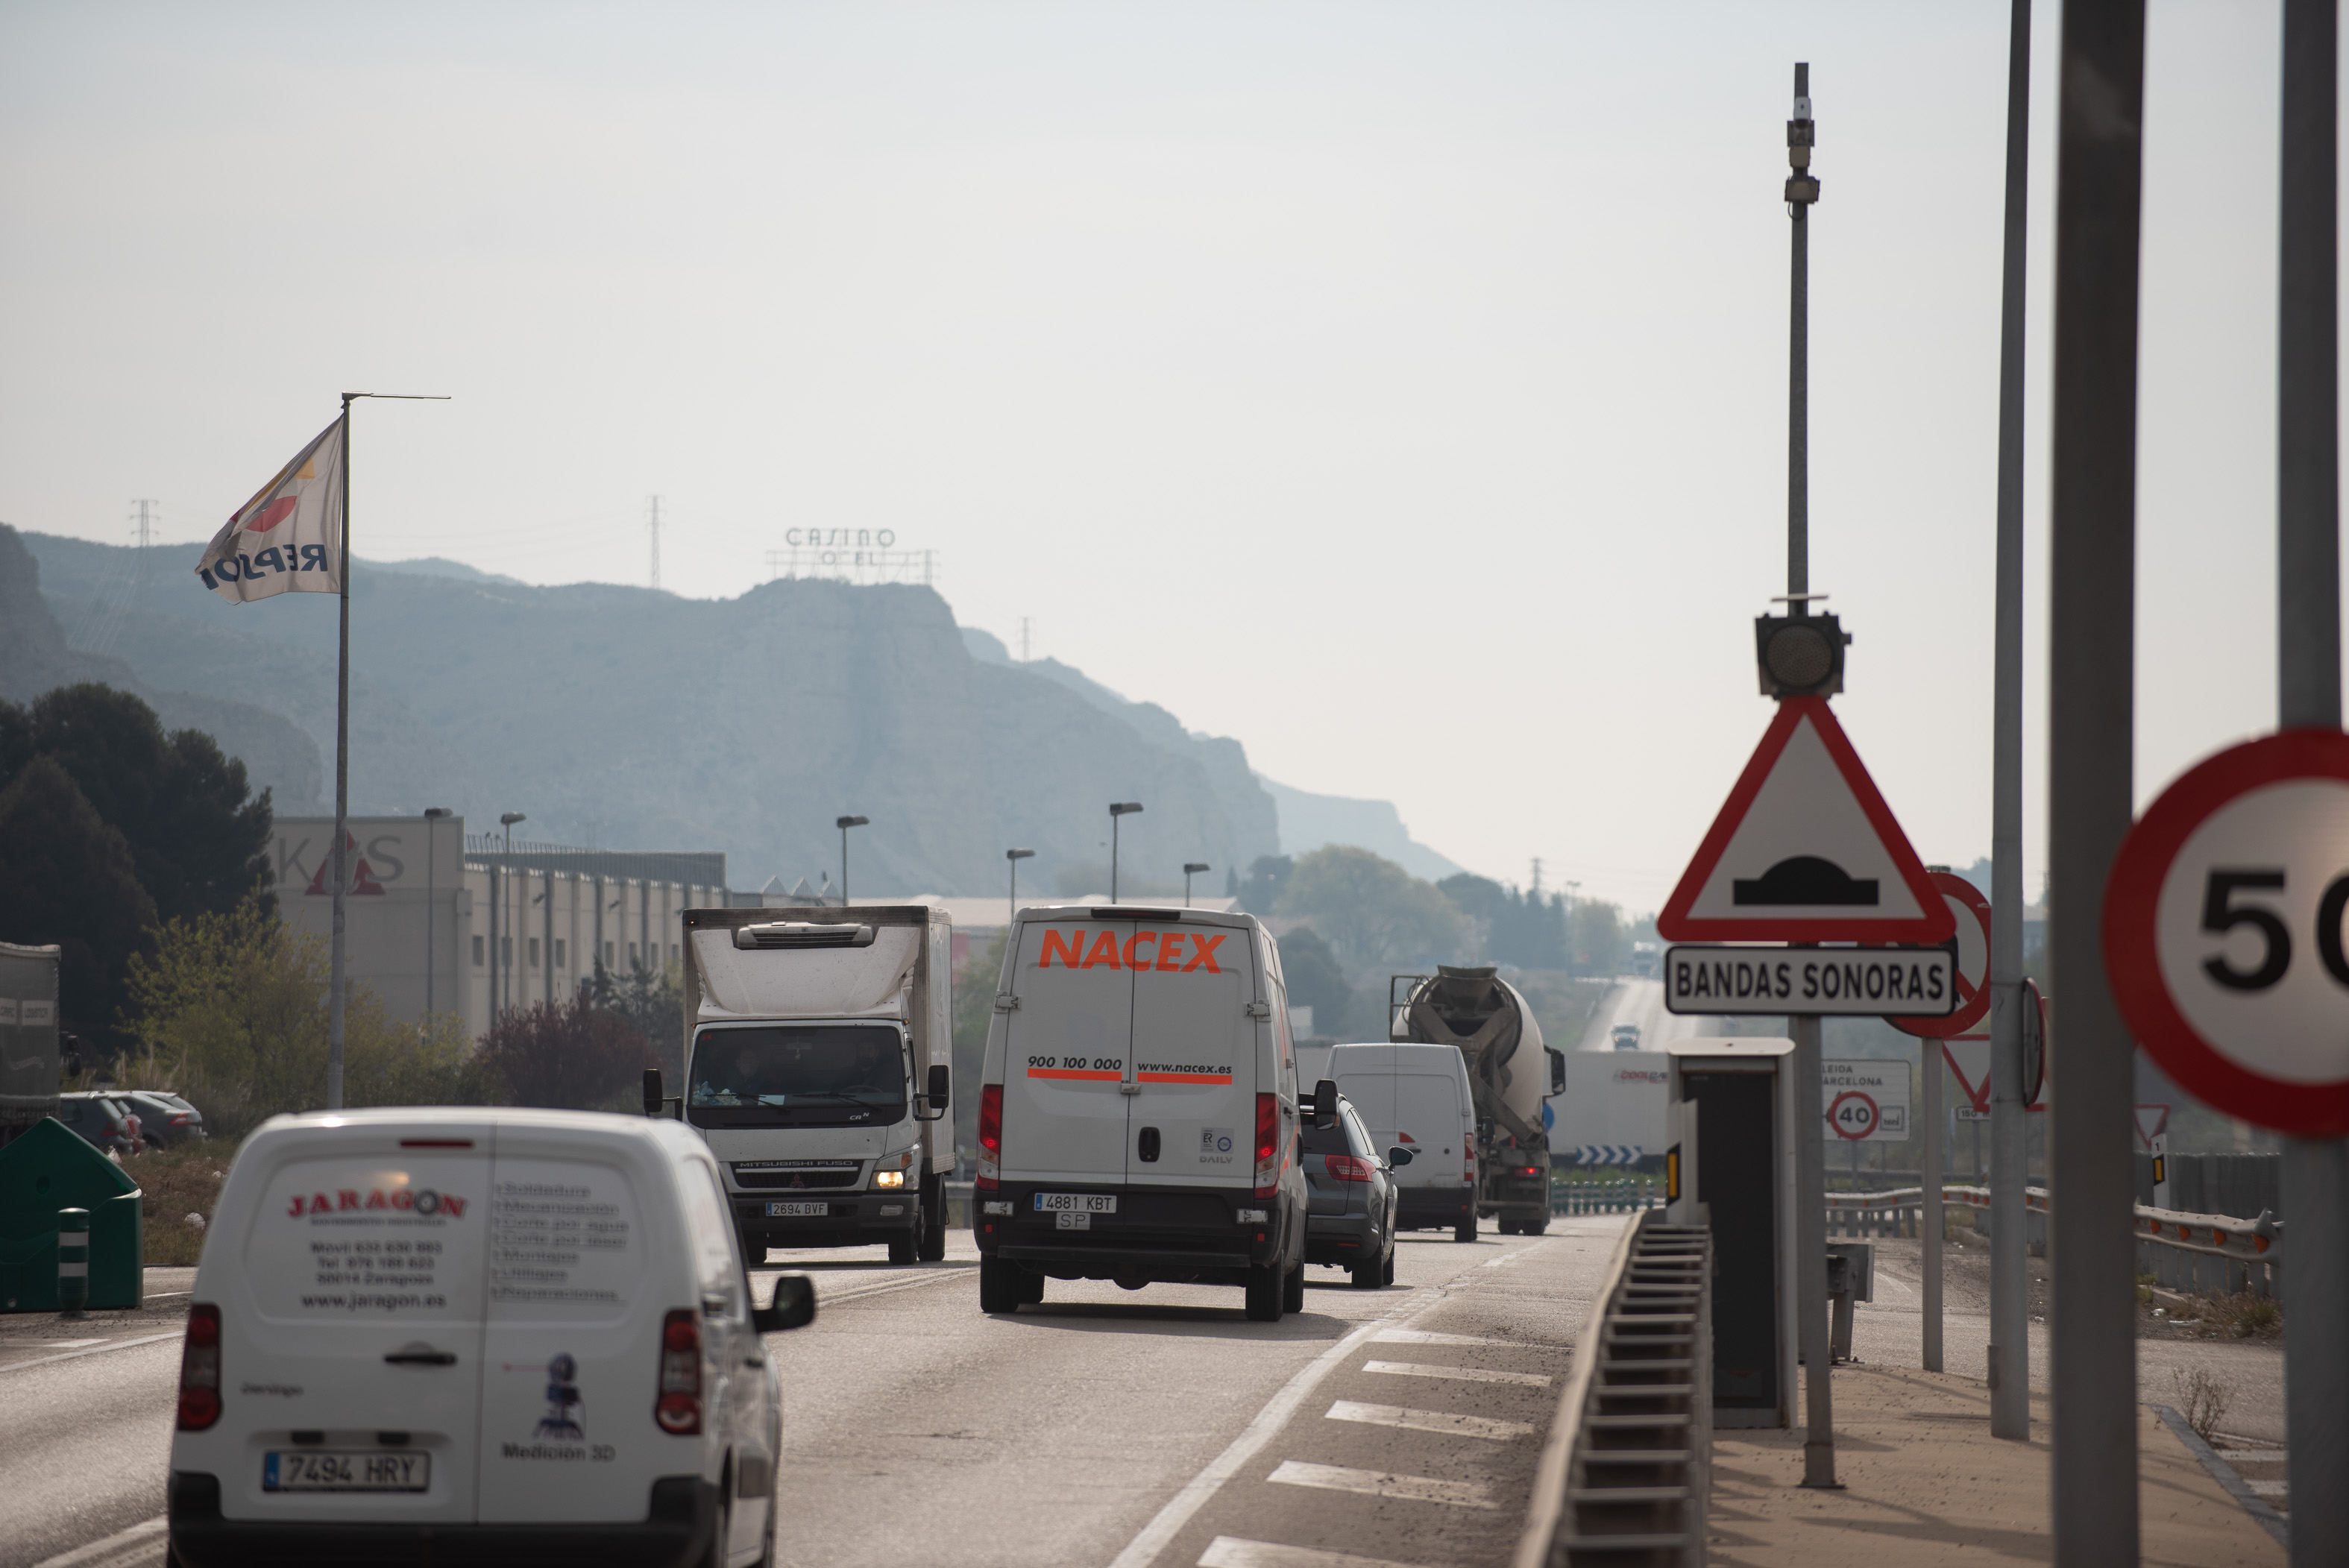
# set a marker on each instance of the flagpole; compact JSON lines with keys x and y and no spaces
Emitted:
{"x":336,"y":994}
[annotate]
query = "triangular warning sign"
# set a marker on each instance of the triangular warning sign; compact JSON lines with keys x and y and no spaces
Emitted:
{"x":1805,"y":850}
{"x":1969,"y":1060}
{"x":363,"y":880}
{"x":2152,"y":1121}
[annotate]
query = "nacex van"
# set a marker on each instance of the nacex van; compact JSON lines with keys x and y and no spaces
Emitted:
{"x":455,"y":1335}
{"x":1138,"y":1110}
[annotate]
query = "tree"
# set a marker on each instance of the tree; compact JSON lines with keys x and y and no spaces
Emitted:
{"x":1523,"y":929}
{"x":68,"y":877}
{"x":974,"y":1014}
{"x":570,"y":1055}
{"x":1316,"y":981}
{"x":1267,"y":875}
{"x":1374,"y":914}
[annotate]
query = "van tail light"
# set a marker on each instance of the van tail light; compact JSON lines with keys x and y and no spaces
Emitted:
{"x":1267,"y":1145}
{"x":990,"y":1139}
{"x":200,"y":1369}
{"x":678,"y":1409}
{"x":1347,"y":1167}
{"x":1468,"y":1171}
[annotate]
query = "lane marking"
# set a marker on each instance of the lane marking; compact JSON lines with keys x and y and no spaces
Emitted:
{"x":886,"y":1287}
{"x":1421,"y":1336}
{"x":93,"y":1350}
{"x":1144,"y":1548}
{"x":1385,"y":1483}
{"x":1429,"y":1420}
{"x":1457,"y":1374}
{"x":1233,"y":1551}
{"x":139,"y":1540}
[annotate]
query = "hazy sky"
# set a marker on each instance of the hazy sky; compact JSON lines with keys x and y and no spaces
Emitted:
{"x":1400,"y":388}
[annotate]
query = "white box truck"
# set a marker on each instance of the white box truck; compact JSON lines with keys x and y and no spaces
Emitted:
{"x":816,"y":1067}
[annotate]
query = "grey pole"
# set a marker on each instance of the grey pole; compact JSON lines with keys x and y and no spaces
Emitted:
{"x":1015,"y":857}
{"x":1190,"y":869}
{"x":1929,"y":1223}
{"x":336,"y":991}
{"x":2010,"y":1314}
{"x":1117,"y":809}
{"x":2308,"y":573}
{"x":843,"y":824}
{"x":546,"y":953}
{"x":1810,"y":1151}
{"x":432,"y":815}
{"x":2092,"y":611}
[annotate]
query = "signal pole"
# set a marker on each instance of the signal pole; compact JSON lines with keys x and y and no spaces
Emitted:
{"x":656,"y":536}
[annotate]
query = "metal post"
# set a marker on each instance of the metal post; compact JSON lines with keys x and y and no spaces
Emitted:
{"x":2308,"y":566}
{"x":72,"y":1262}
{"x":2009,"y":1314}
{"x":431,"y":822}
{"x":546,"y":951}
{"x":497,"y":902}
{"x":1929,"y":1212}
{"x":2093,"y":489}
{"x":1112,"y":857}
{"x":337,"y":994}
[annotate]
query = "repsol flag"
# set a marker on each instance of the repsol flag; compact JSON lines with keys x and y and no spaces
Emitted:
{"x":288,"y":538}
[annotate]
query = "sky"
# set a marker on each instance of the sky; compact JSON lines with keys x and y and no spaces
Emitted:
{"x":1400,"y":388}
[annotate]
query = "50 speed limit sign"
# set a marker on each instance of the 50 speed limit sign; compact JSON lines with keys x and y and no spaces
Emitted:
{"x":2224,"y":931}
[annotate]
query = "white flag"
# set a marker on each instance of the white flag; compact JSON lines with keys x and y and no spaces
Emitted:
{"x":288,"y":539}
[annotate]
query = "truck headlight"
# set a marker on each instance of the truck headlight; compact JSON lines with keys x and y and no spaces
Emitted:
{"x":888,"y":1178}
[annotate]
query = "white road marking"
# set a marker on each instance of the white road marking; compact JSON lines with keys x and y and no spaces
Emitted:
{"x":93,"y":1350}
{"x":74,"y":1344}
{"x":1232,"y":1552}
{"x":2254,"y":1456}
{"x":1457,"y":1374}
{"x":1421,"y":1336}
{"x":1429,"y":1420}
{"x":2269,"y":1487}
{"x":1385,"y":1483}
{"x":1144,"y":1548}
{"x":139,"y":1541}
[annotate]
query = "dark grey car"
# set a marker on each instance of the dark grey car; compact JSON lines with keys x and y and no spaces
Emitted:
{"x":1351,"y":1222}
{"x":165,"y":1119}
{"x":104,"y":1119}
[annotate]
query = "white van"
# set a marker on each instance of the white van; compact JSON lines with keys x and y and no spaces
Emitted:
{"x":1138,"y":1111}
{"x":456,"y":1335}
{"x":1417,"y":1098}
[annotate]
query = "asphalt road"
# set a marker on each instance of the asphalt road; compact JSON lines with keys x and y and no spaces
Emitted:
{"x":1106,"y":1426}
{"x":1640,"y":1002}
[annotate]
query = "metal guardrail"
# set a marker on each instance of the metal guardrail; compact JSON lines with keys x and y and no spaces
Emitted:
{"x":1618,"y":1197}
{"x":1623,"y":1478}
{"x":2180,"y":1251}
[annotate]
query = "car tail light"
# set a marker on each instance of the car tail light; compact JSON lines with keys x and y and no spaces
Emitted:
{"x":1348,"y":1167}
{"x":1267,"y":1145}
{"x":990,"y":1137}
{"x":678,"y":1409}
{"x":1531,"y":1171}
{"x":200,"y":1370}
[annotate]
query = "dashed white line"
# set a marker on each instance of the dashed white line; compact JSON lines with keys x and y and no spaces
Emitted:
{"x":92,"y":1350}
{"x":1423,"y":1337}
{"x":1233,"y":1552}
{"x":139,"y":1541}
{"x":1384,"y":1483}
{"x":1429,"y":1420}
{"x":1457,"y":1374}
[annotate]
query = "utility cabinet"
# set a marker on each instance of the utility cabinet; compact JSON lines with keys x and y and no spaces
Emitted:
{"x":48,"y":1168}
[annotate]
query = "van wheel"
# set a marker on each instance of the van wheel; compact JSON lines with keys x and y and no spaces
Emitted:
{"x":1031,"y":1289}
{"x":1368,"y":1275}
{"x":1387,"y":1274}
{"x":1466,"y":1231}
{"x":999,"y":1286}
{"x":933,"y":1246}
{"x":1292,"y":1289}
{"x":1266,"y":1287}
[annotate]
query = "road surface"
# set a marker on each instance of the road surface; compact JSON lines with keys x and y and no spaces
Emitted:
{"x":1106,"y":1427}
{"x":1640,"y":1002}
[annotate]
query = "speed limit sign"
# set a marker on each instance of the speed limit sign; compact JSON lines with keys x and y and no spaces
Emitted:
{"x":1853,"y":1115}
{"x":2223,"y":930}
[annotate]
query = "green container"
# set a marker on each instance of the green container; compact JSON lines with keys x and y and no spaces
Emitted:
{"x":45,"y":1169}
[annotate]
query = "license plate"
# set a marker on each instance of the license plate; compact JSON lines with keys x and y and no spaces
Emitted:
{"x":1069,"y":1220}
{"x":797,"y":1211}
{"x":345,"y":1469}
{"x":1075,"y":1204}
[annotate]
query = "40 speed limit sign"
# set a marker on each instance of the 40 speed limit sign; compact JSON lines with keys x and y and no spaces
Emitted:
{"x":2223,"y":930}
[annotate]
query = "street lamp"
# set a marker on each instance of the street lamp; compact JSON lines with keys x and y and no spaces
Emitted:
{"x":843,"y":824}
{"x":1117,"y":809}
{"x":1015,"y":857}
{"x":504,"y":994}
{"x":432,"y":815}
{"x":1189,"y":867}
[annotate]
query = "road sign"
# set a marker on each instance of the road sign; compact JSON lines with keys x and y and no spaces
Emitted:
{"x":2152,"y":1121}
{"x":1968,"y":1113}
{"x":2035,"y":1045}
{"x":1805,"y":850}
{"x":2223,"y":927}
{"x":1866,"y":1100}
{"x":1971,"y":911}
{"x":1707,"y":978}
{"x":1969,"y":1060}
{"x":1607,"y":1154}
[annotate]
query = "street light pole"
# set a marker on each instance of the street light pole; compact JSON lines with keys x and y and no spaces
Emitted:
{"x":843,"y":824}
{"x":1015,"y":857}
{"x":1189,"y":867}
{"x":1117,"y":809}
{"x":432,"y":815}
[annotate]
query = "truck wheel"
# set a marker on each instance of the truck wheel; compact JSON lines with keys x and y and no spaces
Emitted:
{"x":903,"y":1247}
{"x":1535,"y":1225}
{"x":1292,"y":1289}
{"x":999,"y":1286}
{"x":933,"y":1247}
{"x":1466,"y":1231}
{"x":754,"y":1249}
{"x":1266,"y":1287}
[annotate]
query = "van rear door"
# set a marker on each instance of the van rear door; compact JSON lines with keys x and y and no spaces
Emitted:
{"x":1066,"y":1048}
{"x":1428,"y":1109}
{"x":578,"y":1286}
{"x":362,"y":1272}
{"x":1194,"y":1052}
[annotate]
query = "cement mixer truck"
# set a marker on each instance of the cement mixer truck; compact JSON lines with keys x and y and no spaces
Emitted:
{"x":1509,"y":1071}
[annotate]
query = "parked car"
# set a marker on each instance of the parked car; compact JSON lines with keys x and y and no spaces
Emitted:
{"x":165,"y":1119}
{"x":1351,"y":1222}
{"x":103,"y":1118}
{"x":482,"y":1336}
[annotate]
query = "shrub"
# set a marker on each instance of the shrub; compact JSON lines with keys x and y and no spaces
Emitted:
{"x":570,"y":1055}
